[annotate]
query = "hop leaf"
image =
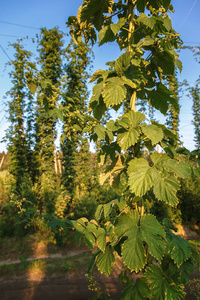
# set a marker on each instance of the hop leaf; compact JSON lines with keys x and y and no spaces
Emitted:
{"x":149,"y":231}
{"x":162,"y":286}
{"x":105,"y":260}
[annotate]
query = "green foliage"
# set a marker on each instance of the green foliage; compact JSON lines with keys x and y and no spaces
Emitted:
{"x":125,"y":225}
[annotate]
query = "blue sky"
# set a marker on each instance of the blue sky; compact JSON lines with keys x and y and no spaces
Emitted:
{"x":51,"y":13}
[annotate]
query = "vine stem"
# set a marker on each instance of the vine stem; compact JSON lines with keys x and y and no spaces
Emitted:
{"x":130,"y":32}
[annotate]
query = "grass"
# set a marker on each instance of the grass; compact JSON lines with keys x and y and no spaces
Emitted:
{"x":27,"y":245}
{"x":76,"y":264}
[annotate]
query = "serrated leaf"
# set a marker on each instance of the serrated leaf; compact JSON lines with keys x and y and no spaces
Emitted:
{"x":97,"y":74}
{"x":149,"y":231}
{"x":167,"y":23}
{"x":129,"y":82}
{"x":116,"y":27}
{"x":97,"y":90}
{"x":180,"y":249}
{"x":153,"y":132}
{"x":111,"y":125}
{"x":104,"y":261}
{"x":137,"y":291}
{"x":106,"y":35}
{"x":95,"y":9}
{"x":116,"y":169}
{"x":81,"y":229}
{"x":141,"y":176}
{"x":165,"y":190}
{"x":133,"y":253}
{"x":98,"y":108}
{"x":123,"y":62}
{"x":114,"y":92}
{"x":99,"y":211}
{"x":100,"y":131}
{"x":101,"y":239}
{"x":135,"y":118}
{"x":181,"y":169}
{"x":153,"y":234}
{"x":121,"y":203}
{"x":161,"y":286}
{"x":107,"y":208}
{"x":128,"y":138}
{"x":149,"y":22}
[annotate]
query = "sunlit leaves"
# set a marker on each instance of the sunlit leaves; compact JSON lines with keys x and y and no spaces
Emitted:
{"x":154,"y":133}
{"x":101,"y":239}
{"x":165,"y":189}
{"x":149,"y":22}
{"x":128,"y":138}
{"x":123,"y":62}
{"x":104,"y":261}
{"x":141,"y":176}
{"x":93,"y":10}
{"x":149,"y":231}
{"x":114,"y":92}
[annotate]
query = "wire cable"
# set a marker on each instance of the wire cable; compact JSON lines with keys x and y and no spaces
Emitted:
{"x":6,"y":53}
{"x":15,"y":24}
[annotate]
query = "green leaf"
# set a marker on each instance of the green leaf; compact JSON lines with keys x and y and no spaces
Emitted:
{"x":141,"y":5}
{"x":111,"y":125}
{"x":137,"y":291}
{"x":81,"y":229}
{"x":97,"y":74}
{"x":101,"y":239}
{"x":179,"y":248}
{"x":161,"y":286}
{"x":106,"y":35}
{"x":149,"y":231}
{"x":123,"y":62}
{"x":167,"y":23}
{"x":129,"y":82}
{"x":104,"y":261}
{"x":179,"y":64}
{"x":165,"y":189}
{"x":141,"y":176}
{"x":92,"y":262}
{"x":114,"y":92}
{"x":135,"y":117}
{"x":133,"y":253}
{"x":116,"y":27}
{"x":121,"y":203}
{"x":32,"y":87}
{"x":97,"y":90}
{"x":161,"y":98}
{"x":153,"y":234}
{"x":149,"y":22}
{"x":99,"y":211}
{"x":166,"y":3}
{"x":100,"y":131}
{"x":153,"y":132}
{"x":95,"y":9}
{"x":181,"y":169}
{"x":128,"y":138}
{"x":99,"y":108}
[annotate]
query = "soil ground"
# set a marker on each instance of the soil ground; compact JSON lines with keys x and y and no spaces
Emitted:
{"x":34,"y":268}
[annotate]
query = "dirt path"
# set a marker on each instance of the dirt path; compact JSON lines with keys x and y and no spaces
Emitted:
{"x":44,"y":256}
